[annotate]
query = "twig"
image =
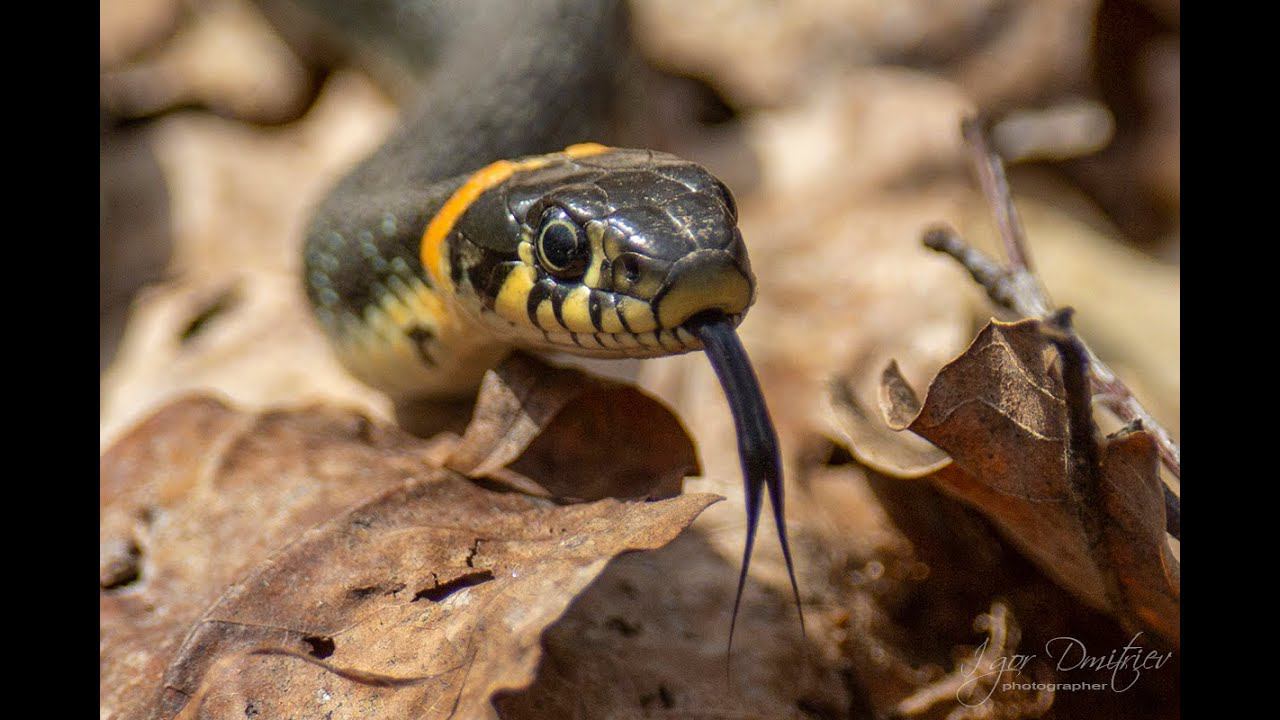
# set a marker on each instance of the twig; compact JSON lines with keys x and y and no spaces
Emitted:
{"x":1016,"y":288}
{"x":1009,"y":289}
{"x":1083,"y":451}
{"x":1117,"y":398}
{"x":995,"y":186}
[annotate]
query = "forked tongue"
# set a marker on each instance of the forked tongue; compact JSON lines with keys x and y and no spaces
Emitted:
{"x":757,"y":440}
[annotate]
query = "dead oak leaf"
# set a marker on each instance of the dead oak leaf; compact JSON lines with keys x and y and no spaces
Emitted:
{"x":1000,"y":412}
{"x":200,"y":496}
{"x":563,"y":433}
{"x":195,"y":496}
{"x":867,"y":438}
{"x":422,"y":602}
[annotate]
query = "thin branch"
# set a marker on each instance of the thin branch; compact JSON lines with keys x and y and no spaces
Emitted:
{"x":1083,"y":451}
{"x":1017,"y":289}
{"x":1123,"y":404}
{"x":995,"y":186}
{"x":1010,"y":289}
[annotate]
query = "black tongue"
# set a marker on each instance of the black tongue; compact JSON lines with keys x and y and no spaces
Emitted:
{"x":757,"y":440}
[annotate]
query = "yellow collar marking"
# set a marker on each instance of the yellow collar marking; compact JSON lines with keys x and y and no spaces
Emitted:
{"x":433,"y":255}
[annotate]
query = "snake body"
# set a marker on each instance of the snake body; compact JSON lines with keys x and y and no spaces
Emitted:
{"x":490,"y":220}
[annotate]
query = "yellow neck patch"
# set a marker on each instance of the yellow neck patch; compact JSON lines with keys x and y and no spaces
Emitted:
{"x":433,"y":255}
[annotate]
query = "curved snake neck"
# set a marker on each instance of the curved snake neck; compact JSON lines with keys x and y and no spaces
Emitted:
{"x":491,"y":89}
{"x":488,"y":87}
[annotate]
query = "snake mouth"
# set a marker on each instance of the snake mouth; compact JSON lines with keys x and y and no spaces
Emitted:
{"x":698,"y":286}
{"x":700,"y":282}
{"x":651,"y":343}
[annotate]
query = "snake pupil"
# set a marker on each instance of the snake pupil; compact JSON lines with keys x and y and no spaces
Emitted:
{"x":562,"y":246}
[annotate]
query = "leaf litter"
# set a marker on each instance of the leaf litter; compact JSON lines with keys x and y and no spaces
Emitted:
{"x":334,"y":558}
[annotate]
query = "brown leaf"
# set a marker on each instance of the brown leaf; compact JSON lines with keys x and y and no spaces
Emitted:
{"x":419,"y":603}
{"x":540,"y":426}
{"x":199,"y":495}
{"x":898,"y":400}
{"x":873,"y":444}
{"x":999,"y":410}
{"x":1133,"y":499}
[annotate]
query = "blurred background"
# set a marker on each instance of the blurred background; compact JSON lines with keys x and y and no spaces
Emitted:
{"x":835,"y":123}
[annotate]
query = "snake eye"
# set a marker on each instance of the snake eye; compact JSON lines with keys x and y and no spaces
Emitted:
{"x":562,"y":246}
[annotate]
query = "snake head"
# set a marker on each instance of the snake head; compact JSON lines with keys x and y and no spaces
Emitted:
{"x":615,"y":251}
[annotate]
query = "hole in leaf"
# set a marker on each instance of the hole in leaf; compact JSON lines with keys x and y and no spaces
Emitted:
{"x":321,"y":647}
{"x":665,"y":697}
{"x":444,"y":590}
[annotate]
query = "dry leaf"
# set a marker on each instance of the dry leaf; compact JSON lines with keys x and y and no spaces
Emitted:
{"x":539,"y":426}
{"x":999,"y":411}
{"x":867,"y":438}
{"x":199,"y":495}
{"x":420,"y":603}
{"x":1132,"y":500}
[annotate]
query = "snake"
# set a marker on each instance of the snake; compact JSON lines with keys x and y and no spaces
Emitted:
{"x":499,"y":215}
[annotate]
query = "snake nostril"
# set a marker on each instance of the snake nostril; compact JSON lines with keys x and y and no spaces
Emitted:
{"x":630,"y":268}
